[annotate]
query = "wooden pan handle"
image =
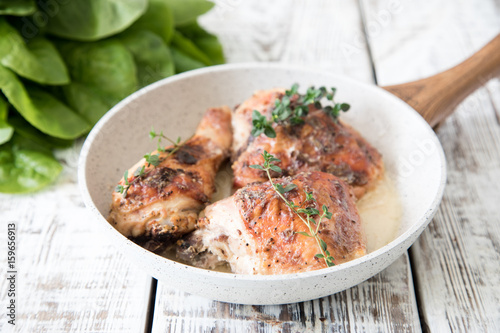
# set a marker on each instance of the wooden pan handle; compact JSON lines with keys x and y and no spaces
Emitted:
{"x":436,"y":97}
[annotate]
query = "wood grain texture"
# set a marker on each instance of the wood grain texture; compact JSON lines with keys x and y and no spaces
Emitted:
{"x":384,"y":303}
{"x":326,"y":35}
{"x":456,"y":261}
{"x":413,"y":40}
{"x":69,"y":279}
{"x":436,"y":97}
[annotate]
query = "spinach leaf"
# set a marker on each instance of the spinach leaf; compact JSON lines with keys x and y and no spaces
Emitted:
{"x":24,"y":167}
{"x":158,"y":19}
{"x":37,"y":60}
{"x":183,"y":62}
{"x":17,"y":7}
{"x":6,"y":129}
{"x":206,"y":42}
{"x":91,"y":20}
{"x":189,"y":48}
{"x":41,"y":109}
{"x":20,"y":142}
{"x":23,"y":128}
{"x":151,"y":55}
{"x":87,"y":101}
{"x":102,"y":73}
{"x":186,"y":11}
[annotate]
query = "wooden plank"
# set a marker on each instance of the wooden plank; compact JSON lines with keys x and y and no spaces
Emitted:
{"x":373,"y":306}
{"x":69,"y":279}
{"x":326,"y":35}
{"x":456,"y":261}
{"x":411,"y":40}
{"x":301,"y":33}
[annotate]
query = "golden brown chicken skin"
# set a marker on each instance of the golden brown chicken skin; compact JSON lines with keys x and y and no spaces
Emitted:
{"x":257,"y":233}
{"x":164,"y":202}
{"x":318,"y":144}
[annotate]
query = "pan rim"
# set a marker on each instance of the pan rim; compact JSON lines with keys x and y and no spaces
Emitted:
{"x":422,"y":222}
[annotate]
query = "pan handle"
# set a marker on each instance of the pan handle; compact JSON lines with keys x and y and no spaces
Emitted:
{"x":436,"y":97}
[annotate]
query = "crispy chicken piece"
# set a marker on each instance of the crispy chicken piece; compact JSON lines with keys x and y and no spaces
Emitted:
{"x":319,"y":144}
{"x":256,"y":232}
{"x":164,"y":203}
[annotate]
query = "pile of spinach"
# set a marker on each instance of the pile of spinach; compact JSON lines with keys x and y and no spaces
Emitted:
{"x":64,"y":63}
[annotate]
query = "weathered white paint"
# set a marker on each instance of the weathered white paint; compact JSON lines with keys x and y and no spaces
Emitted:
{"x":303,"y":33}
{"x":456,"y":261}
{"x":373,"y":306}
{"x":69,"y":279}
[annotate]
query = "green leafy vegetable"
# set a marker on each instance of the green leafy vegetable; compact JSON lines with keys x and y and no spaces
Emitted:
{"x":183,"y":62}
{"x":27,"y":131}
{"x":102,"y":74}
{"x":37,"y":60}
{"x":41,"y":109}
{"x":87,"y":101}
{"x":91,"y":20}
{"x":17,"y":7}
{"x":151,"y":55}
{"x":66,"y":63}
{"x":6,"y":130}
{"x":206,"y":42}
{"x":158,"y":19}
{"x":189,"y":48}
{"x":25,"y":168}
{"x":186,"y":11}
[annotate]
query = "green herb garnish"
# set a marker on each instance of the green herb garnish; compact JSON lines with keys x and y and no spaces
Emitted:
{"x":151,"y":159}
{"x":177,"y":143}
{"x":292,"y":107}
{"x":304,"y":213}
{"x":123,"y":189}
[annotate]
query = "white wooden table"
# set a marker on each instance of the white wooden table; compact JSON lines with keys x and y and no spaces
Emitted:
{"x":71,"y":280}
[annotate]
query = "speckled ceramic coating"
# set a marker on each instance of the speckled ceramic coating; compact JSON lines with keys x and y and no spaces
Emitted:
{"x":411,"y":151}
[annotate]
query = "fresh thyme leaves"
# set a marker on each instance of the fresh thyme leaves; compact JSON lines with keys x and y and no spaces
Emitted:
{"x":139,"y":171}
{"x":177,"y":143}
{"x":262,"y":125}
{"x":151,"y":159}
{"x":123,"y":189}
{"x":285,"y":189}
{"x":334,"y":111}
{"x":293,"y":107}
{"x":306,"y":214}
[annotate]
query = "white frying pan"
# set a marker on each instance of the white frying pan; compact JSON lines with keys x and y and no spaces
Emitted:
{"x":412,"y":154}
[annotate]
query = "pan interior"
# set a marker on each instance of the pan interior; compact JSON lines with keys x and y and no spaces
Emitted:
{"x":412,"y":154}
{"x":410,"y":150}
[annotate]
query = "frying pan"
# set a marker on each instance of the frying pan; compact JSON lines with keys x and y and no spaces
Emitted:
{"x":412,"y":154}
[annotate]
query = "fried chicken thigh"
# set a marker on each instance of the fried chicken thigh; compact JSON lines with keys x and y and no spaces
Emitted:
{"x":163,"y":203}
{"x":318,"y":144}
{"x":257,"y":233}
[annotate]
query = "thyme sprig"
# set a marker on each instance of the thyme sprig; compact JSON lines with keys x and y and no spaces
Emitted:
{"x":151,"y":159}
{"x":292,"y":107}
{"x":177,"y":143}
{"x":306,"y":214}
